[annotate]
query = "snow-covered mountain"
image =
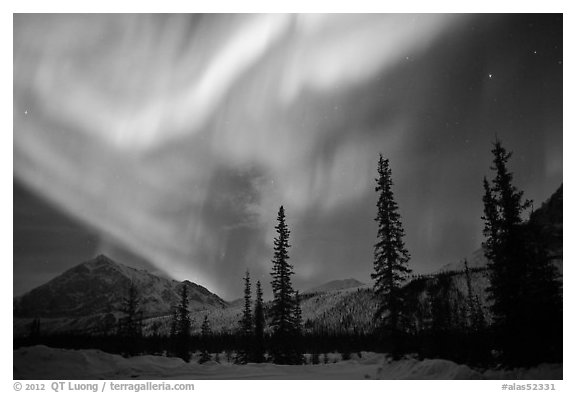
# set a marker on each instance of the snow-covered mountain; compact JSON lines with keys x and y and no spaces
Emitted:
{"x":93,"y":292}
{"x":336,"y":285}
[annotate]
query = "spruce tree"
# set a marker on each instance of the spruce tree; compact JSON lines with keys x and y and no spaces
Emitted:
{"x":390,"y":254}
{"x":184,"y":322}
{"x":206,"y":333}
{"x":206,"y":330}
{"x":283,"y":309}
{"x":259,"y":322}
{"x":503,"y":208}
{"x":245,"y":323}
{"x":181,"y":325}
{"x":298,"y":314}
{"x":283,"y":303}
{"x":131,"y":324}
{"x":298,"y":330}
{"x":519,"y":269}
{"x":474,"y":314}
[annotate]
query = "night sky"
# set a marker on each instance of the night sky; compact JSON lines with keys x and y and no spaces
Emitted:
{"x":169,"y":142}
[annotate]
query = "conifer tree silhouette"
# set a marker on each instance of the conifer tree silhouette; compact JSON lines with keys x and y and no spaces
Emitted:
{"x":390,"y":254}
{"x":283,"y":311}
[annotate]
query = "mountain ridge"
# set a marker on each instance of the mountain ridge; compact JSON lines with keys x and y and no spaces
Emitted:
{"x":336,"y":285}
{"x":99,"y":285}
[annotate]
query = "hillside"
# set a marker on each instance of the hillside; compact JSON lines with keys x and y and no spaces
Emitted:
{"x":90,"y":296}
{"x":350,"y":311}
{"x":336,"y":285}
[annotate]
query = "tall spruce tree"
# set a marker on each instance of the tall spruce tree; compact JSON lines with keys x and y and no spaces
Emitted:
{"x":390,"y":254}
{"x":245,"y":323}
{"x":184,"y":323}
{"x":503,"y":208}
{"x":181,"y":325}
{"x":259,"y":322}
{"x":518,"y":270}
{"x":283,"y":309}
{"x":131,"y":324}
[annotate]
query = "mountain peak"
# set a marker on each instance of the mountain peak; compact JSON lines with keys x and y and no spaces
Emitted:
{"x":100,"y":260}
{"x":99,"y":286}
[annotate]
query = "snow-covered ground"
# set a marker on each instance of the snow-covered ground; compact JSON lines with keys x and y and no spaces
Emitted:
{"x":41,"y":362}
